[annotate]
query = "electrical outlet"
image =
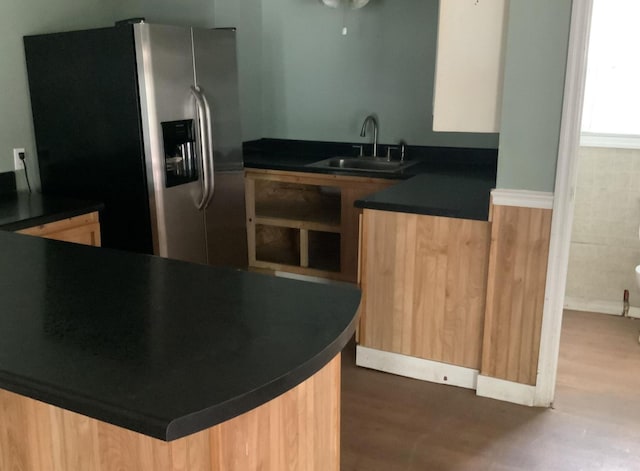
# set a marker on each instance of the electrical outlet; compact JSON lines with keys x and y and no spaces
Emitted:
{"x":17,"y":163}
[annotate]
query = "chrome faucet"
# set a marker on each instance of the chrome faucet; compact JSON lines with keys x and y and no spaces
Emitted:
{"x":371,"y":118}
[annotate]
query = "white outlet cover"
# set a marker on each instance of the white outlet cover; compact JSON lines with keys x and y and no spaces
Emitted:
{"x":17,"y":163}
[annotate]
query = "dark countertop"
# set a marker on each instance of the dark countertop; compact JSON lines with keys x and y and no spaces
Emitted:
{"x":21,"y":210}
{"x":437,"y":194}
{"x":158,"y":346}
{"x":299,"y":163}
{"x":447,"y":181}
{"x":7,"y":183}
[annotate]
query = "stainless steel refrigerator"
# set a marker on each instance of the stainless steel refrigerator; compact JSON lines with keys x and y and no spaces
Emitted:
{"x":145,"y":118}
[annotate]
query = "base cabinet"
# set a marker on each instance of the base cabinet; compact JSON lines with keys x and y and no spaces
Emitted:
{"x":83,"y":229}
{"x":298,"y":430}
{"x":424,"y":280}
{"x":305,"y":223}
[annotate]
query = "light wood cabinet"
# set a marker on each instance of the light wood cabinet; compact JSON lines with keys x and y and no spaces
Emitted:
{"x":424,"y":280}
{"x":305,"y":223}
{"x":470,"y":66}
{"x":516,"y":292}
{"x":298,"y":430}
{"x":83,"y":229}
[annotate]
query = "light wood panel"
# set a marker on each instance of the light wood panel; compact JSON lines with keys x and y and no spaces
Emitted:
{"x":320,"y":219}
{"x":424,"y":284}
{"x":83,"y":229}
{"x":296,"y":431}
{"x":515,"y":292}
{"x":350,"y":216}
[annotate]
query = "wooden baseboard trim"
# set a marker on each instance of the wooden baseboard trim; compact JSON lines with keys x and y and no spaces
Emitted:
{"x":522,"y":198}
{"x":503,"y":390}
{"x":599,"y":306}
{"x":416,"y":368}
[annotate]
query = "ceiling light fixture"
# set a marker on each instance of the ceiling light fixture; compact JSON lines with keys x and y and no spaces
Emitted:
{"x":345,"y":4}
{"x":353,"y":4}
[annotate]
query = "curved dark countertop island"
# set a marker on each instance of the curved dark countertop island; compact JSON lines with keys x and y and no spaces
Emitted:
{"x":159,"y":347}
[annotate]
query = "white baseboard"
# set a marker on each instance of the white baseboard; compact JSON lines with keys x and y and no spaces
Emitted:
{"x":522,"y":198}
{"x":416,"y":368}
{"x":503,"y":390}
{"x":600,"y":306}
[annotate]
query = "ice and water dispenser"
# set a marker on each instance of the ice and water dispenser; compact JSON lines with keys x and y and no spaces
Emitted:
{"x":180,"y":158}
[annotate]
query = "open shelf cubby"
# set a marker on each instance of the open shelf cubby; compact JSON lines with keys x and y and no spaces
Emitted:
{"x":297,"y":205}
{"x":297,"y":226}
{"x":305,"y":223}
{"x":279,"y":245}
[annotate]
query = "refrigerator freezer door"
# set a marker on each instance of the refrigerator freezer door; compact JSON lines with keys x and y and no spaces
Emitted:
{"x":165,"y":75}
{"x":86,"y":114}
{"x":217,"y":76}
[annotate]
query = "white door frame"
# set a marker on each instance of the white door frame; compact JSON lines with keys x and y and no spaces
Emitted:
{"x":564,"y":202}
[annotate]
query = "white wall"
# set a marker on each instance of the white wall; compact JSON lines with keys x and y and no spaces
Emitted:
{"x":604,"y":244}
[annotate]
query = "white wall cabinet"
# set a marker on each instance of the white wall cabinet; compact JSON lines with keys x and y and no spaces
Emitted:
{"x":470,"y":65}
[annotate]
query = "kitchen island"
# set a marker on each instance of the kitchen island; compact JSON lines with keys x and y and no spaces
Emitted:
{"x":111,"y":360}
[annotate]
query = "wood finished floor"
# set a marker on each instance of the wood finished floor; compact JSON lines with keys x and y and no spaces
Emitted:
{"x":391,"y":423}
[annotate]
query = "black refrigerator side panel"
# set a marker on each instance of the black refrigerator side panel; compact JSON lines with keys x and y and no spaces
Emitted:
{"x":86,"y":113}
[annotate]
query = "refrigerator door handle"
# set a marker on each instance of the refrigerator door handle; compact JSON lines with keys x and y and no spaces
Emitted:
{"x":209,"y":124}
{"x":204,"y":144}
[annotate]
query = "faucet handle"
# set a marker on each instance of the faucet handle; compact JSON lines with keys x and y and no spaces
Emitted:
{"x":403,"y":150}
{"x":389,"y":149}
{"x":361,"y":150}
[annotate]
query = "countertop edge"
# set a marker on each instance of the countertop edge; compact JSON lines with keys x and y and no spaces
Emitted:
{"x":51,"y":217}
{"x":420,"y":211}
{"x":182,"y":427}
{"x":306,"y":168}
{"x":83,"y":405}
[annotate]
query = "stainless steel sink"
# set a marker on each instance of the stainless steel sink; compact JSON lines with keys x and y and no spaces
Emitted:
{"x":363,"y":164}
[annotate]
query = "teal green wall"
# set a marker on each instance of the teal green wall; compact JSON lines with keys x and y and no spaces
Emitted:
{"x":301,"y":79}
{"x":21,"y":17}
{"x":17,"y":19}
{"x":536,"y":56}
{"x":174,"y":12}
{"x":246,"y":16}
{"x":320,"y":85}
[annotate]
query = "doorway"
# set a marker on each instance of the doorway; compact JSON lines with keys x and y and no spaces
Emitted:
{"x":605,"y":243}
{"x":610,"y":161}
